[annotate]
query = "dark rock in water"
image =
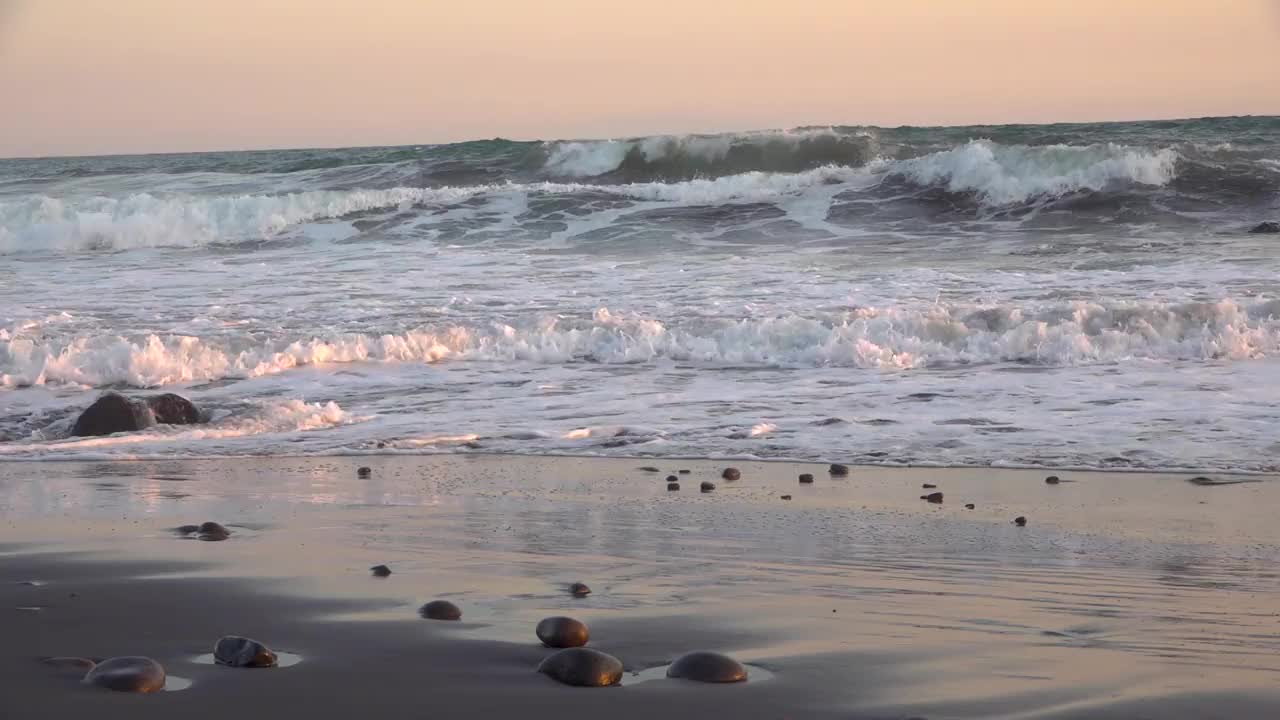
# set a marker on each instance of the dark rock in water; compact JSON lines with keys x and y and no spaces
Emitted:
{"x":1020,"y":521}
{"x":786,"y":497}
{"x":829,"y":421}
{"x":583,"y":667}
{"x":935,"y":498}
{"x":364,"y":472}
{"x":1266,"y":228}
{"x":731,"y":474}
{"x":212,"y":532}
{"x":928,"y":486}
{"x":707,"y":486}
{"x":806,"y":478}
{"x":75,"y":666}
{"x":672,"y":478}
{"x":685,"y":472}
{"x":708,"y":667}
{"x":170,"y":409}
{"x":562,"y":632}
{"x":127,"y":674}
{"x":649,"y":468}
{"x":236,"y":651}
{"x":1052,"y":480}
{"x":969,"y":506}
{"x":440,"y":610}
{"x":380,"y":571}
{"x":112,"y":413}
{"x":838,"y":470}
{"x":579,"y":589}
{"x":673,"y":486}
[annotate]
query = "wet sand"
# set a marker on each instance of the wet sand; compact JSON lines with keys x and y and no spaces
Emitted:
{"x":1125,"y":596}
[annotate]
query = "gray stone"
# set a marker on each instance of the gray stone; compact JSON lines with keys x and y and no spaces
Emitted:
{"x":380,"y":571}
{"x":364,"y":472}
{"x":673,"y":486}
{"x":1052,"y":480}
{"x":708,"y":667}
{"x":1267,"y":228}
{"x":838,"y":470}
{"x":562,"y":632}
{"x":212,"y":532}
{"x":170,"y":409}
{"x":707,"y":486}
{"x":112,"y":413}
{"x":579,"y":590}
{"x":935,"y":498}
{"x":127,"y":674}
{"x":731,"y":474}
{"x":806,"y":479}
{"x":236,"y":651}
{"x":1020,"y":521}
{"x":440,"y":610}
{"x":583,"y":667}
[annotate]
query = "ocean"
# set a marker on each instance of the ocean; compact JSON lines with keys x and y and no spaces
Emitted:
{"x":1056,"y":295}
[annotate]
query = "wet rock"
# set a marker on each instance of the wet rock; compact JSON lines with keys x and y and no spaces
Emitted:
{"x":187,"y":529}
{"x":74,"y":666}
{"x":583,"y":667}
{"x":708,"y":667}
{"x":928,"y":486}
{"x":649,"y":468}
{"x":806,"y":479}
{"x":112,"y":413}
{"x":707,"y":486}
{"x":935,"y":498}
{"x":380,"y":571}
{"x":969,"y":506}
{"x":562,"y":632}
{"x":731,"y":474}
{"x":685,"y":472}
{"x":1266,"y":228}
{"x":364,"y":472}
{"x":212,"y":532}
{"x":838,"y":470}
{"x":672,"y":478}
{"x":579,"y":590}
{"x":127,"y":674}
{"x":171,"y":409}
{"x":1052,"y":480}
{"x":672,"y":487}
{"x":236,"y":651}
{"x":1020,"y":521}
{"x":786,"y":497}
{"x":440,"y":610}
{"x":382,"y":445}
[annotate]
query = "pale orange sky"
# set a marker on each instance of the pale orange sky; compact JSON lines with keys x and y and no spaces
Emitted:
{"x":108,"y":76}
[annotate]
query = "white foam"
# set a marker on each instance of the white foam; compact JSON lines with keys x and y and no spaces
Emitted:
{"x":1010,"y":174}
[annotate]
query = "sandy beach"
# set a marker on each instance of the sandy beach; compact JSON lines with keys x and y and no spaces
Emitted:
{"x":1125,"y":595}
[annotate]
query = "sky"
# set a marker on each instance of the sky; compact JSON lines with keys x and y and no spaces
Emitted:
{"x":123,"y":76}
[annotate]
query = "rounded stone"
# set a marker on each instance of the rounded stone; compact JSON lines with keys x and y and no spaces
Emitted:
{"x":236,"y":651}
{"x":708,"y":667}
{"x":440,"y":610}
{"x":380,"y":571}
{"x":806,"y":479}
{"x":969,"y":506}
{"x":212,"y":532}
{"x":786,"y":497}
{"x":935,"y":498}
{"x":684,"y":471}
{"x":1052,"y":480}
{"x":673,"y":486}
{"x":127,"y":674}
{"x":562,"y":632}
{"x":672,"y":478}
{"x":1020,"y":521}
{"x":364,"y":472}
{"x":731,"y":474}
{"x":583,"y":667}
{"x":838,"y":470}
{"x":707,"y":486}
{"x":579,"y":589}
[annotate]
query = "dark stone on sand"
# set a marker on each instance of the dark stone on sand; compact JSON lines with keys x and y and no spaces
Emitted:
{"x":672,"y":478}
{"x":562,"y":632}
{"x":380,"y":571}
{"x":212,"y":532}
{"x":170,"y":409}
{"x":673,"y":486}
{"x":928,"y":486}
{"x":583,"y":667}
{"x":1020,"y":521}
{"x":935,"y":498}
{"x":731,"y":474}
{"x":382,"y":444}
{"x":579,"y":590}
{"x":969,"y":506}
{"x":649,"y":468}
{"x":112,"y":413}
{"x":76,"y":666}
{"x":838,"y":470}
{"x":1267,"y":228}
{"x":806,"y":478}
{"x":440,"y":610}
{"x":707,"y":486}
{"x":187,"y":529}
{"x":127,"y":674}
{"x":364,"y":472}
{"x":1052,"y":480}
{"x":243,"y":652}
{"x":685,"y":472}
{"x":786,"y":497}
{"x":708,"y":667}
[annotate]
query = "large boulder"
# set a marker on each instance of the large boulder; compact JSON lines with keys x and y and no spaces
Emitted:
{"x":115,"y":413}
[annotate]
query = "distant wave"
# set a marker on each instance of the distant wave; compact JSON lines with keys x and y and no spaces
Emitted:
{"x":889,"y":337}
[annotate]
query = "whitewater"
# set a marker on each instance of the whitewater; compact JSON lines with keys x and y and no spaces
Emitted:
{"x":1064,"y":295}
